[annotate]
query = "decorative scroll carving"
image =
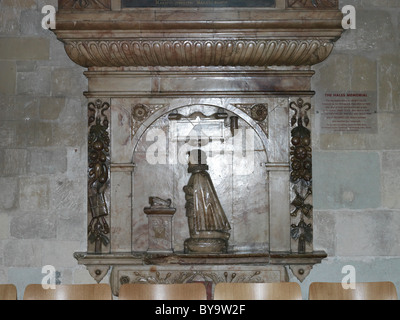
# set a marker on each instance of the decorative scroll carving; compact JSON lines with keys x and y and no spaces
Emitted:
{"x":300,"y":205}
{"x":302,"y":232}
{"x":98,"y":173}
{"x":301,"y":176}
{"x":85,"y":4}
{"x":190,"y":276}
{"x":117,"y":53}
{"x":317,"y":4}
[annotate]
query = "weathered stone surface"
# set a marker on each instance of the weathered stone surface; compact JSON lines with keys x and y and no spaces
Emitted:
{"x":67,"y":197}
{"x":69,"y":134}
{"x":367,"y":233}
{"x":34,"y":193}
{"x":30,"y":24}
{"x":24,"y":48}
{"x":13,"y":162}
{"x":51,"y":107}
{"x":4,"y":228}
{"x":34,"y":83}
{"x":72,"y":229}
{"x":9,"y":18}
{"x":24,"y":108}
{"x":384,"y":139}
{"x":33,"y":225}
{"x":20,"y":4}
{"x":45,"y":161}
{"x":9,"y":193}
{"x":389,"y":82}
{"x":337,"y":66}
{"x":68,"y":82}
{"x":369,"y":37}
{"x":8,"y":77}
{"x":346,"y":180}
{"x":8,"y":134}
{"x":22,"y":253}
{"x":390,"y":179}
{"x":59,"y":253}
{"x":363,"y":74}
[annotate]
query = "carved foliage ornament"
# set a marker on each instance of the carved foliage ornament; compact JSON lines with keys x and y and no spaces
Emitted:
{"x":301,"y":142}
{"x":85,"y":4}
{"x":301,"y":175}
{"x":98,"y":173}
{"x":300,"y":205}
{"x":317,"y":4}
{"x":302,"y":232}
{"x":190,"y":276}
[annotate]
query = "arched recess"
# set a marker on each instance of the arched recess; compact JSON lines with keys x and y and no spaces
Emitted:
{"x":168,"y":109}
{"x":242,"y":193}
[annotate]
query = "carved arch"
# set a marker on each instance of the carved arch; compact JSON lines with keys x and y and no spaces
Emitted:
{"x":146,"y":124}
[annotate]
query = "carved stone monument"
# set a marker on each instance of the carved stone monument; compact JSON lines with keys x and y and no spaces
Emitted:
{"x":252,"y":64}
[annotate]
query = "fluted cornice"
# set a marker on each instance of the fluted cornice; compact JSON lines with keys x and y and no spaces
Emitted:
{"x":188,"y":37}
{"x":116,"y":53}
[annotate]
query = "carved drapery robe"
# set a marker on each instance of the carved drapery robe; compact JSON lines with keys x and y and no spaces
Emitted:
{"x":205,"y":214}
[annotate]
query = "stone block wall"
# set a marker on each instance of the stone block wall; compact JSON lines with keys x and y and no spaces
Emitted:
{"x":43,"y":152}
{"x":356,"y":176}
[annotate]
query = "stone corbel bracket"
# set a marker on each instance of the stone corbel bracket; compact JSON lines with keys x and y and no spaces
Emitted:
{"x":170,"y":37}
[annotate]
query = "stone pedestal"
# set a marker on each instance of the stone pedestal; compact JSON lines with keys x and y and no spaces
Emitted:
{"x":206,"y":245}
{"x":160,"y":229}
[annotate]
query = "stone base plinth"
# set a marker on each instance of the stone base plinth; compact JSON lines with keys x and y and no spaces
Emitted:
{"x":204,"y":245}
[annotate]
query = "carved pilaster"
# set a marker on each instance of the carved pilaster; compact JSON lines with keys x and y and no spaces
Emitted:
{"x":301,"y":178}
{"x":98,"y":176}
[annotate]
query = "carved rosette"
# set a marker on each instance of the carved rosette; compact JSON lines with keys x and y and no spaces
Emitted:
{"x":140,"y":113}
{"x":258,"y":112}
{"x":301,"y":178}
{"x":98,"y":175}
{"x":137,"y":53}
